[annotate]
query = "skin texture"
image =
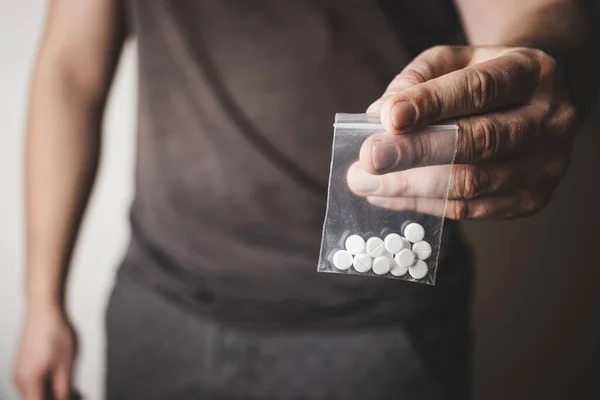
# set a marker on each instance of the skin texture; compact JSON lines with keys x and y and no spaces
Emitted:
{"x":526,"y":120}
{"x":516,"y":127}
{"x":517,"y":94}
{"x":73,"y":69}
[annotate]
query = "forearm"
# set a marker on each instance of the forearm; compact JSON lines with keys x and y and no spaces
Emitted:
{"x":61,"y":155}
{"x":73,"y":72}
{"x":563,"y":29}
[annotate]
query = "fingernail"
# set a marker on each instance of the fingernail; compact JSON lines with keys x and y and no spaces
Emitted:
{"x":403,"y":114}
{"x":364,"y":183}
{"x":384,"y":155}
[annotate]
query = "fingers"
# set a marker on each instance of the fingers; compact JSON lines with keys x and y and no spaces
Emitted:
{"x":497,"y":135}
{"x":38,"y":385}
{"x":31,"y":385}
{"x":502,"y":207}
{"x":413,"y":204}
{"x":461,"y":181}
{"x":418,"y":182}
{"x":61,"y":381}
{"x":497,"y":83}
{"x":430,"y":64}
{"x":480,"y":138}
{"x":383,"y":153}
{"x":540,"y":169}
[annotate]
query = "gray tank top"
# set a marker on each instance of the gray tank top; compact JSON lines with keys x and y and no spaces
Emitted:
{"x":236,"y":104}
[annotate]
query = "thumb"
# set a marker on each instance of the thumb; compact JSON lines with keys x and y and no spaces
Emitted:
{"x":430,"y":64}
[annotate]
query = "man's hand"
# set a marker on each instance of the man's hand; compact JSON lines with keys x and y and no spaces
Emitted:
{"x":45,"y":359}
{"x":516,"y":126}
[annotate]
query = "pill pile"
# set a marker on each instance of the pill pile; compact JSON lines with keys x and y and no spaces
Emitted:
{"x":394,"y":254}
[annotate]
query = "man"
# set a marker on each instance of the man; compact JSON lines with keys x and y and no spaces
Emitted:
{"x":217,"y":296}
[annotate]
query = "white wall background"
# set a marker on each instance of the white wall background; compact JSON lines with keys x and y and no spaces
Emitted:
{"x":105,"y":230}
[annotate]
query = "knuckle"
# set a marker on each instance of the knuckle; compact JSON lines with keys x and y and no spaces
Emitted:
{"x":423,"y":150}
{"x":562,"y":124}
{"x":415,"y":75}
{"x":524,"y":50}
{"x":460,"y":209}
{"x":544,"y":60}
{"x":521,"y":126}
{"x":484,"y":139}
{"x":481,"y":87}
{"x":406,"y":151}
{"x":523,"y":131}
{"x":413,"y":150}
{"x":431,"y":104}
{"x":548,"y":64}
{"x":441,"y":53}
{"x":399,"y":185}
{"x":484,"y":210}
{"x":469,"y":183}
{"x":534,"y":202}
{"x":570,"y":117}
{"x":437,"y":50}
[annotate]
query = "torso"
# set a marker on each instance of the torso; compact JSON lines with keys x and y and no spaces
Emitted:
{"x":236,"y":102}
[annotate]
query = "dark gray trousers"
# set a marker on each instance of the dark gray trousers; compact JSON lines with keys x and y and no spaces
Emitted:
{"x":157,"y":351}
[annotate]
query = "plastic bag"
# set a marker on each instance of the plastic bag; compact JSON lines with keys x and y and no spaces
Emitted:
{"x":400,"y":241}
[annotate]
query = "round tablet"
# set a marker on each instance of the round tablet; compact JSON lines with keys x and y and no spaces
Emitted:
{"x":404,"y":258}
{"x":418,"y":270}
{"x":398,"y":270}
{"x":381,"y":265}
{"x":362,"y":262}
{"x":375,"y":247}
{"x":342,"y":260}
{"x":406,"y":244}
{"x":414,"y":232}
{"x":422,"y":249}
{"x":355,"y":244}
{"x":394,"y":242}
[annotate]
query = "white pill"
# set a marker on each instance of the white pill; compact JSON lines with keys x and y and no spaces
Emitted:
{"x":342,"y":260}
{"x":406,"y":244}
{"x":414,"y":232}
{"x":388,"y":255}
{"x":362,"y":262}
{"x":375,"y":247}
{"x":419,"y":270}
{"x":394,"y":243}
{"x":422,"y":249}
{"x":398,"y":270}
{"x":381,"y":265}
{"x":404,"y":258}
{"x":355,"y":244}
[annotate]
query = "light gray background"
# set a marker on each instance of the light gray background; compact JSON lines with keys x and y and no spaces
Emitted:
{"x":537,"y":309}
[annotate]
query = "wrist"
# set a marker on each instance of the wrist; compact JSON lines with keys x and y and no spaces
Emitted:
{"x":36,"y":308}
{"x":43,"y":300}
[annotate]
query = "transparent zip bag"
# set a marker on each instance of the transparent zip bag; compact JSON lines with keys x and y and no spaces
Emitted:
{"x":394,"y":229}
